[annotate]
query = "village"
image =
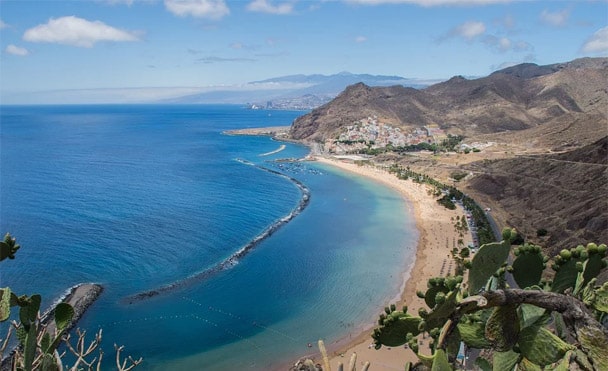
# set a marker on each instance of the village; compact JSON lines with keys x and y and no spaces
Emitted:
{"x":373,"y":133}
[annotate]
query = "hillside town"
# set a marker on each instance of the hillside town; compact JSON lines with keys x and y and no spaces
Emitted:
{"x":373,"y":133}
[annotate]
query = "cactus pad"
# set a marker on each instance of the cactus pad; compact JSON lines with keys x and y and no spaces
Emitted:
{"x":565,"y":275}
{"x":528,"y":267}
{"x":473,"y":335}
{"x":431,"y":294}
{"x":505,"y":360}
{"x":540,"y":346}
{"x":485,"y":263}
{"x":594,"y":341}
{"x":502,"y":328}
{"x":395,"y":329}
{"x":600,"y":301}
{"x":5,"y":304}
{"x":440,"y":361}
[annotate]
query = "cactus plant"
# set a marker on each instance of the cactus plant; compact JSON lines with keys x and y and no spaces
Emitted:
{"x":541,"y":346}
{"x":528,"y":266}
{"x":395,"y":329}
{"x":485,"y":263}
{"x":38,"y":339}
{"x":484,"y":313}
{"x":505,"y":360}
{"x":8,"y":247}
{"x":502,"y":328}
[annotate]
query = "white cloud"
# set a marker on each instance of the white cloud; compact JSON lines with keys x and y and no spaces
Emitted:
{"x":212,"y":9}
{"x":215,"y":59}
{"x":360,"y":39}
{"x":504,"y":44}
{"x":469,"y":30}
{"x":598,"y":42}
{"x":17,"y":50}
{"x":2,"y":24}
{"x":428,"y":3}
{"x":557,"y":19}
{"x":114,"y":2}
{"x":264,"y":6}
{"x":77,"y":32}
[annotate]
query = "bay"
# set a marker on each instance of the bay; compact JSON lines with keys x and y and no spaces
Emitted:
{"x":138,"y":196}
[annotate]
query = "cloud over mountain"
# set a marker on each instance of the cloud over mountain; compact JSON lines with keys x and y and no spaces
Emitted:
{"x":598,"y":42}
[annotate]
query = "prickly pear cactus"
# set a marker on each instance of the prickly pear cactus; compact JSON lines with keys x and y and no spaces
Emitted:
{"x":512,"y":323}
{"x":473,"y":334}
{"x":568,"y":264}
{"x":528,"y":265}
{"x":436,"y":286}
{"x":541,"y":346}
{"x":502,"y":328}
{"x":595,"y":261}
{"x":485,"y":263}
{"x":395,"y":328}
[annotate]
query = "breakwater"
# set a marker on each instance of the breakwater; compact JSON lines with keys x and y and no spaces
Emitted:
{"x":233,"y":259}
{"x":80,"y":297}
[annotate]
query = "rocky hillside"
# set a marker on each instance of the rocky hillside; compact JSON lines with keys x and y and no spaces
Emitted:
{"x":545,"y":166}
{"x":517,"y":98}
{"x":566,"y":193}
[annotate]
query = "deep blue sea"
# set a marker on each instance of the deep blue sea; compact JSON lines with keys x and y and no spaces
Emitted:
{"x":137,"y":197}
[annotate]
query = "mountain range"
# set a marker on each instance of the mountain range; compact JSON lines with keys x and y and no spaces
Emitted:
{"x":545,"y":132}
{"x":294,"y":91}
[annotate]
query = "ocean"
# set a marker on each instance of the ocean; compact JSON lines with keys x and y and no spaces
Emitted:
{"x":143,"y":197}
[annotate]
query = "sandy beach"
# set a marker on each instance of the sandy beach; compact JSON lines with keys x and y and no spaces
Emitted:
{"x":436,"y":238}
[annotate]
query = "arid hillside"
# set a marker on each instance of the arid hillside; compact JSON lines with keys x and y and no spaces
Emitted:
{"x":517,"y":98}
{"x":545,"y":130}
{"x":565,"y":194}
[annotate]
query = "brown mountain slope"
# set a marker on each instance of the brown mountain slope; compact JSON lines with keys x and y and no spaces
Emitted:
{"x":566,"y":194}
{"x":517,"y":98}
{"x":396,"y":105}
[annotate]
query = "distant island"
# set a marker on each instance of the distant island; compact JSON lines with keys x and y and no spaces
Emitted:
{"x":293,"y":92}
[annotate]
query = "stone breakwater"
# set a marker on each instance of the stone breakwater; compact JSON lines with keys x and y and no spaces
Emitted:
{"x":80,"y":297}
{"x":233,"y":259}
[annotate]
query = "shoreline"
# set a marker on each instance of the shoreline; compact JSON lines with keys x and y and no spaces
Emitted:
{"x":436,"y":236}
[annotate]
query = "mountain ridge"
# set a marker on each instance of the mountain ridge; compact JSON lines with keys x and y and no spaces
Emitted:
{"x":516,"y":98}
{"x":542,"y":130}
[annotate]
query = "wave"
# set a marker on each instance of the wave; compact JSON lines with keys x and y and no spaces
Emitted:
{"x":282,"y":147}
{"x":233,"y":259}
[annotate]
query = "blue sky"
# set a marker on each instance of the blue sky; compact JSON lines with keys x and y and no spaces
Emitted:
{"x":158,"y":48}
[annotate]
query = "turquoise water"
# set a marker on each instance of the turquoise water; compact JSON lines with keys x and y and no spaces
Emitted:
{"x":140,"y":197}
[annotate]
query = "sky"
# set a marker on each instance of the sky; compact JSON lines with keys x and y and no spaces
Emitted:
{"x":139,"y":50}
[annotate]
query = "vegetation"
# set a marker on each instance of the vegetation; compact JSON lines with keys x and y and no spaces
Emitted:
{"x":449,"y":144}
{"x":423,"y":146}
{"x":458,"y":175}
{"x":544,"y":324}
{"x":39,"y":338}
{"x":446,"y":145}
{"x":446,"y":201}
{"x":479,"y":217}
